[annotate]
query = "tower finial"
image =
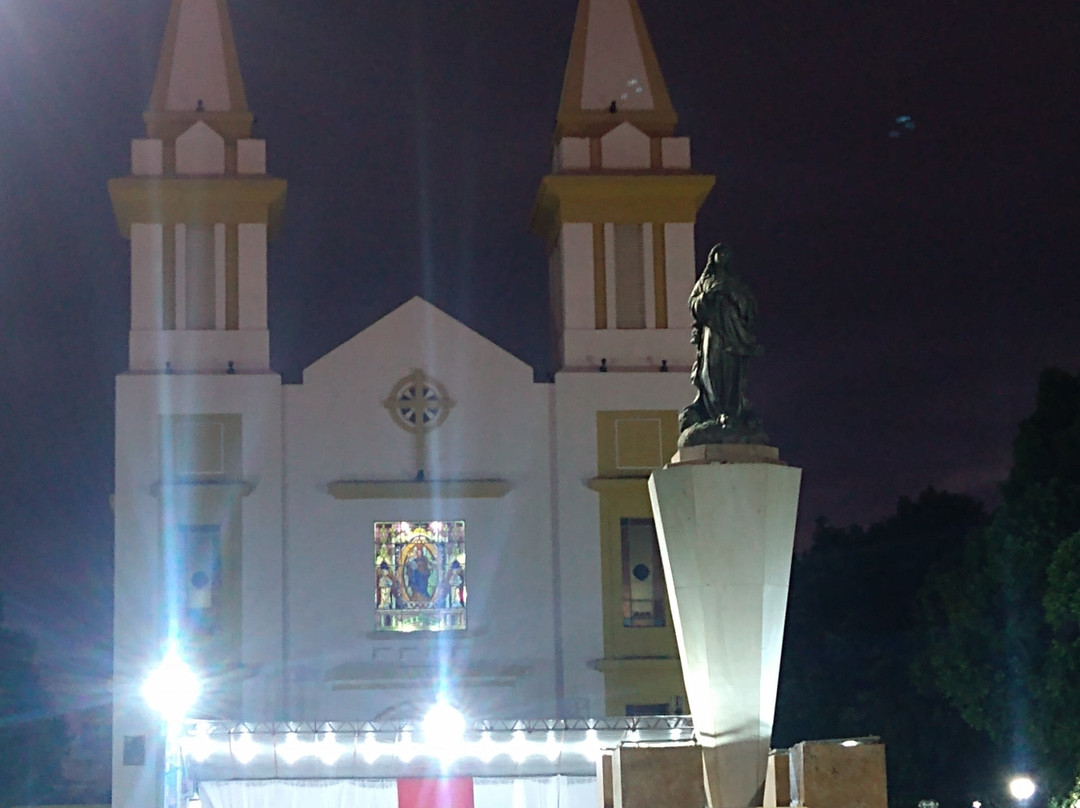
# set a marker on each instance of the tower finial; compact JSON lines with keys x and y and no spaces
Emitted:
{"x":612,"y":71}
{"x":198,"y":71}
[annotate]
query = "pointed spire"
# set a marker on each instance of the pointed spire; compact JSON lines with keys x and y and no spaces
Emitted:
{"x":198,"y":76}
{"x":613,"y":74}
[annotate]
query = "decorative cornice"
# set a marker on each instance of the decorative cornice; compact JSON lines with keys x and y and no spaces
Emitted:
{"x":605,"y":484}
{"x":617,"y":198}
{"x":418,"y":489}
{"x":243,"y":487}
{"x":198,"y":200}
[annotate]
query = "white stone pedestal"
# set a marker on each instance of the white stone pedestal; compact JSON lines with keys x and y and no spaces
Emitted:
{"x":725,"y":517}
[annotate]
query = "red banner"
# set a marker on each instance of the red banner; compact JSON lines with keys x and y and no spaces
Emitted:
{"x":454,"y":792}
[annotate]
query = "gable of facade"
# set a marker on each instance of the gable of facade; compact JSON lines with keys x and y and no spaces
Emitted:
{"x":418,"y":419}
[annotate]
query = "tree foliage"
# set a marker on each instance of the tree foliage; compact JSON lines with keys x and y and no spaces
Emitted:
{"x":32,"y":744}
{"x":1004,"y":645}
{"x":852,"y":633}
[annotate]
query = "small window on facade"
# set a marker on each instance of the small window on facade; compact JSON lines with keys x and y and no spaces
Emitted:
{"x":201,"y":554}
{"x":642,"y":575}
{"x":420,"y":576}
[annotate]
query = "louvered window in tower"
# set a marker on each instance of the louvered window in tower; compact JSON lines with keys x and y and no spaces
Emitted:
{"x":629,"y":277}
{"x":199,"y":279}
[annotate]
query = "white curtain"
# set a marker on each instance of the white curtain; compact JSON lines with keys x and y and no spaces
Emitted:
{"x":488,"y":792}
{"x":535,"y":792}
{"x":299,"y":794}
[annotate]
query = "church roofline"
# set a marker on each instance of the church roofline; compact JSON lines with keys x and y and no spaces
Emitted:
{"x":414,"y":301}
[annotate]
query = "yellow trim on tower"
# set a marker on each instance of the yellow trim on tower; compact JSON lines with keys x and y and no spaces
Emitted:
{"x":617,"y":198}
{"x":625,"y":439}
{"x":574,"y":78}
{"x":198,"y":201}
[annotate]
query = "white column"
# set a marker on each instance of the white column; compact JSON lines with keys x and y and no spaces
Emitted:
{"x":252,"y":249}
{"x":579,"y":288}
{"x":146,"y":277}
{"x":680,"y":272}
{"x":726,"y":524}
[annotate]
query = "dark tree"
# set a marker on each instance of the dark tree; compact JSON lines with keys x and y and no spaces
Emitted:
{"x":32,"y":741}
{"x":852,"y":633}
{"x":1005,"y":649}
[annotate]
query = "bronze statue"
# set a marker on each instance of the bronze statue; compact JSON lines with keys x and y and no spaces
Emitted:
{"x":724,"y":311}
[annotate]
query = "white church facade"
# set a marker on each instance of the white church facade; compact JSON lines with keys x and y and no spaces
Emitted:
{"x":419,"y":519}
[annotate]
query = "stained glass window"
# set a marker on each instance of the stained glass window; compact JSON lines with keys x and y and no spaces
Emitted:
{"x":420,"y":576}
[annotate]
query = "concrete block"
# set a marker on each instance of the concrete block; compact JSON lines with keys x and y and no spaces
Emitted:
{"x":605,"y":791}
{"x":778,"y":780}
{"x":647,"y":777}
{"x":826,"y":773}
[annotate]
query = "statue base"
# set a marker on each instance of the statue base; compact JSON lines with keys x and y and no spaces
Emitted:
{"x":744,"y":429}
{"x":725,"y":519}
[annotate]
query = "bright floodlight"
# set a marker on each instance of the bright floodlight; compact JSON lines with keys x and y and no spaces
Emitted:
{"x":1022,"y":788}
{"x":172,"y":688}
{"x":443,"y":725}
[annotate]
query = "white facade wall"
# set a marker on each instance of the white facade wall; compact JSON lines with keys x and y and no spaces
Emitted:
{"x":635,"y":349}
{"x":675,"y":152}
{"x":147,"y":157}
{"x":251,"y":156}
{"x":140,"y":569}
{"x":625,"y":147}
{"x":200,"y":150}
{"x":571,"y":154}
{"x":337,"y":428}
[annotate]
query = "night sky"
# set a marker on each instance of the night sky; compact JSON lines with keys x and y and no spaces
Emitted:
{"x":910,"y":287}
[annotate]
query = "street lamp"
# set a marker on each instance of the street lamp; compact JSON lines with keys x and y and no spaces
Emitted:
{"x":171,"y":690}
{"x":1022,"y":788}
{"x":443,"y":728}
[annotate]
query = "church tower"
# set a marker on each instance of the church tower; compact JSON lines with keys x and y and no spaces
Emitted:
{"x":618,"y":208}
{"x":198,"y":413}
{"x":617,"y":212}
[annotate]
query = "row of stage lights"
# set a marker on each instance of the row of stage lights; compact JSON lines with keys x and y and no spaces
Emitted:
{"x":329,"y":749}
{"x":172,"y":688}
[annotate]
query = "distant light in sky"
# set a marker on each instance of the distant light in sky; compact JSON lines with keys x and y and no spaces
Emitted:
{"x":902,"y":125}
